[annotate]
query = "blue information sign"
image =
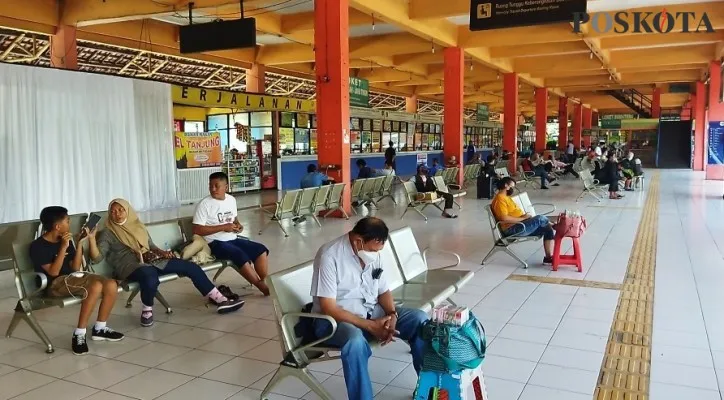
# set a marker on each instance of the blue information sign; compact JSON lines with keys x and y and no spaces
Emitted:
{"x":716,"y":143}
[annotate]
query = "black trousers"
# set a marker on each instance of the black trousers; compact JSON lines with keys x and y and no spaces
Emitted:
{"x":448,"y":199}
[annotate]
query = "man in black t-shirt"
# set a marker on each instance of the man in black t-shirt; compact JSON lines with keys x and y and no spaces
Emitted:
{"x":390,"y":155}
{"x":54,"y":255}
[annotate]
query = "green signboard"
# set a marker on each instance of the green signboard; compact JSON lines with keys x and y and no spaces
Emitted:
{"x":609,"y":123}
{"x":483,"y":113}
{"x":359,"y":92}
{"x":618,"y":116}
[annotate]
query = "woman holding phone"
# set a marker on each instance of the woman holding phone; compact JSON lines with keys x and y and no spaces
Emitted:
{"x":128,"y":248}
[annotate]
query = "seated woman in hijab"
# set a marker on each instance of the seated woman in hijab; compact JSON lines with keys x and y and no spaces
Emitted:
{"x":424,"y":184}
{"x":627,"y":169}
{"x":128,"y":248}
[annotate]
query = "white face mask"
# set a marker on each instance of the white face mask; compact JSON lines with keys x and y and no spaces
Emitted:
{"x":630,"y":157}
{"x":368,"y":257}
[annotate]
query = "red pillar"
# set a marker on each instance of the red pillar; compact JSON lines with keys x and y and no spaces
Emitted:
{"x":587,"y":124}
{"x":411,"y":104}
{"x":64,"y":48}
{"x":699,"y":126}
{"x":331,"y":57}
{"x":454,"y":107}
{"x":716,"y":114}
{"x":541,"y":118}
{"x":510,"y":122}
{"x":562,"y":123}
{"x":656,"y":104}
{"x":255,"y":79}
{"x":577,"y":124}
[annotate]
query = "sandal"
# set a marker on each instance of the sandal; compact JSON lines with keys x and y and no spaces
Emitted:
{"x":446,"y":215}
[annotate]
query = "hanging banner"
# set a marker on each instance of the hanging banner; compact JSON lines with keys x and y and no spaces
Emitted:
{"x":716,"y":143}
{"x":359,"y":92}
{"x":241,"y":101}
{"x":483,"y":113}
{"x":494,"y":14}
{"x":198,"y":149}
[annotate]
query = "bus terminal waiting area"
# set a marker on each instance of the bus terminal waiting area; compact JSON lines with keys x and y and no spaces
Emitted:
{"x":549,"y":333}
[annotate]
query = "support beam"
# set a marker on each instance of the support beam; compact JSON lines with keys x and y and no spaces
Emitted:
{"x":64,"y":48}
{"x":656,"y":103}
{"x":562,"y":123}
{"x":255,"y":79}
{"x":700,"y":126}
{"x":332,"y":70}
{"x":541,"y":118}
{"x":433,"y":9}
{"x":510,"y":119}
{"x":577,"y":124}
{"x":587,"y":124}
{"x":653,"y":56}
{"x":454,"y":107}
{"x":411,"y":104}
{"x":541,"y":49}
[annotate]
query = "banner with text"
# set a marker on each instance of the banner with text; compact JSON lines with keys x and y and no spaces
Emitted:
{"x":198,"y":149}
{"x":483,"y":113}
{"x":359,"y":92}
{"x":236,"y":100}
{"x":716,"y":143}
{"x":494,"y":14}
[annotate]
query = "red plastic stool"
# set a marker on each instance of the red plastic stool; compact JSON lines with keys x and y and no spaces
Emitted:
{"x":567,"y":259}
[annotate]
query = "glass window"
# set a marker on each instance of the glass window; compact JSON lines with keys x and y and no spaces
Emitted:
{"x":242,"y":118}
{"x":287,"y":120}
{"x":302,"y":120}
{"x":193,"y":126}
{"x":217,"y":122}
{"x":263,"y":118}
{"x":261,"y":133}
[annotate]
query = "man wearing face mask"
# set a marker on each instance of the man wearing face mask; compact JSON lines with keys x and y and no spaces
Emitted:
{"x":515,"y":221}
{"x":349,"y":285}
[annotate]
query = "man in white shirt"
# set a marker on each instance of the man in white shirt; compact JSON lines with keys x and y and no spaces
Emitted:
{"x":570,"y":152}
{"x":215,"y":220}
{"x":349,"y":285}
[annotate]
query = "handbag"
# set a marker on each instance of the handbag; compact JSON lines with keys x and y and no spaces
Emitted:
{"x":427,"y":196}
{"x":571,"y":225}
{"x":450,"y":348}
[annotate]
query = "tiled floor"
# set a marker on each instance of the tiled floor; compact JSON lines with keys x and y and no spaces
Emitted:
{"x":546,"y":341}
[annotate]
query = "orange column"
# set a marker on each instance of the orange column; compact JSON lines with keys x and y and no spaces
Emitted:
{"x":587,"y":124}
{"x":541,"y":118}
{"x":255,"y":79}
{"x":331,"y":35}
{"x":562,"y":123}
{"x":411,"y":104}
{"x":699,"y":126}
{"x":510,"y":122}
{"x":656,"y":103}
{"x":716,"y":114}
{"x":64,"y":48}
{"x":454,"y":108}
{"x":577,"y":124}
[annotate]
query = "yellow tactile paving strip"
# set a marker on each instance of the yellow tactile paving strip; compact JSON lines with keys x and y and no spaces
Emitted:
{"x":565,"y":281}
{"x":626,"y":365}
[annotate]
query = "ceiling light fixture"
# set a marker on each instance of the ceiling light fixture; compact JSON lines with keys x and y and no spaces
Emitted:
{"x":373,"y":21}
{"x":433,"y":46}
{"x":497,"y":76}
{"x":610,"y":78}
{"x":471,"y":65}
{"x":590,"y":56}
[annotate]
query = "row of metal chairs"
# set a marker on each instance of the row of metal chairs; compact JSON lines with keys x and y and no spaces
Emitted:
{"x":419,"y":205}
{"x":300,"y":203}
{"x":372,"y":190}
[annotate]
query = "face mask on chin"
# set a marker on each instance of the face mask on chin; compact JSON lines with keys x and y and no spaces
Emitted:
{"x":368,"y":257}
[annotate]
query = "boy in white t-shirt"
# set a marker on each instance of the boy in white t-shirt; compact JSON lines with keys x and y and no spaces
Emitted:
{"x":215,"y":220}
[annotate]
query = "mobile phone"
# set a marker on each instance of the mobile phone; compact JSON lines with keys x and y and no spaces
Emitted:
{"x":91,"y":223}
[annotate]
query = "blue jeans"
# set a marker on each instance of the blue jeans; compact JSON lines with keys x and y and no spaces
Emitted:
{"x":536,"y":226}
{"x":147,"y":278}
{"x":356,"y":351}
{"x":238,"y":251}
{"x":540,"y":171}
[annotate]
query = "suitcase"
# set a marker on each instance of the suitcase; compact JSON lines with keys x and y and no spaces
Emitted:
{"x":485,"y":186}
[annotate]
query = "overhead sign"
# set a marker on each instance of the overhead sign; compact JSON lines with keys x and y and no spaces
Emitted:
{"x":197,"y":149}
{"x":243,"y":101}
{"x":716,"y":143}
{"x":483,"y":113}
{"x":359,"y":92}
{"x":494,"y":14}
{"x":608,"y":123}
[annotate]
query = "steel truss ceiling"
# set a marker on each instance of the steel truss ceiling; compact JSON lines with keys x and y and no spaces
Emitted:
{"x":34,"y":49}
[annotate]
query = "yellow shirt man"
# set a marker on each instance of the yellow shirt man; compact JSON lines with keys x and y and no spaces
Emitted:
{"x":503,"y":206}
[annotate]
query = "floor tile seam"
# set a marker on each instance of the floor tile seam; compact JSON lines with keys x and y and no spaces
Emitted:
{"x":644,"y":241}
